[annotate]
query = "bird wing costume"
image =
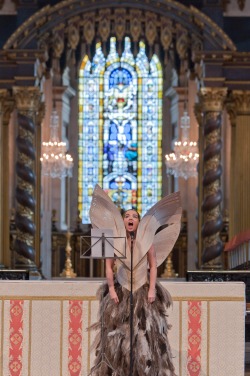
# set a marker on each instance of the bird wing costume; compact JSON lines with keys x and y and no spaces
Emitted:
{"x":159,"y":227}
{"x":152,"y":355}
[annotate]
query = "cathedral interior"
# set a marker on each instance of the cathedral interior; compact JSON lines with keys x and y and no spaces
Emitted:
{"x":118,"y":85}
{"x":142,"y":97}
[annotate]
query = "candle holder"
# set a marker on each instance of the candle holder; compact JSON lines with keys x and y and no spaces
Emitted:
{"x":169,"y":271}
{"x":68,"y":271}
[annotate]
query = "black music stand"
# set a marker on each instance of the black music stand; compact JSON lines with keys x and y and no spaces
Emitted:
{"x":99,"y":241}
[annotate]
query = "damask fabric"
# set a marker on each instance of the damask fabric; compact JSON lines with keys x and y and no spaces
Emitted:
{"x":151,"y":349}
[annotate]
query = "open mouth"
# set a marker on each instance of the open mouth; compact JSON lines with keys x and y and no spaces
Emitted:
{"x":130,"y":225}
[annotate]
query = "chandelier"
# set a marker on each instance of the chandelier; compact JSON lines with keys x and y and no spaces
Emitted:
{"x":182,"y":163}
{"x":56,"y":163}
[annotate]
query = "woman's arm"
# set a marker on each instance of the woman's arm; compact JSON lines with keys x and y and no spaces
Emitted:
{"x":110,"y":279}
{"x":152,"y":274}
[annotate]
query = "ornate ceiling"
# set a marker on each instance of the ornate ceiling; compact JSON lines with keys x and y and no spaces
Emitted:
{"x":10,"y":6}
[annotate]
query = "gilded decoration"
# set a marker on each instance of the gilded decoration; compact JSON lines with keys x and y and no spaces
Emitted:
{"x":211,"y":216}
{"x":212,"y":99}
{"x":213,"y":188}
{"x":25,"y":186}
{"x":73,"y":36}
{"x":135,"y":24}
{"x":197,"y":45}
{"x":3,"y":95}
{"x":26,"y":179}
{"x":212,"y":115}
{"x":6,"y":105}
{"x":58,"y":44}
{"x":232,"y":112}
{"x":41,"y":21}
{"x":213,"y":136}
{"x":239,"y":101}
{"x":120,"y":23}
{"x":198,"y":22}
{"x":182,"y":42}
{"x":166,"y":33}
{"x":211,"y":103}
{"x":41,"y":72}
{"x":24,"y":210}
{"x":212,"y":240}
{"x":27,"y":98}
{"x":150,"y":27}
{"x":25,"y":237}
{"x":204,"y":22}
{"x":24,"y":133}
{"x":89,"y":27}
{"x":23,"y":158}
{"x":104,"y":24}
{"x":43,"y":45}
{"x":212,"y":163}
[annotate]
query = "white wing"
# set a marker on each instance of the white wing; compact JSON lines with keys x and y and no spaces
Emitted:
{"x":167,"y":211}
{"x":104,"y":214}
{"x":165,"y":239}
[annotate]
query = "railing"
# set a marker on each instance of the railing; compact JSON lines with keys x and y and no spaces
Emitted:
{"x":238,"y":251}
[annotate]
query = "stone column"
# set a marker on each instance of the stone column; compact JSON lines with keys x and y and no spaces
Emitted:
{"x":27,"y":245}
{"x":211,"y":104}
{"x":6,"y":108}
{"x":37,"y":193}
{"x":238,"y":107}
{"x":199,"y":191}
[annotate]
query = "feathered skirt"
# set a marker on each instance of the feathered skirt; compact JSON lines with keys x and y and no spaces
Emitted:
{"x":151,"y":349}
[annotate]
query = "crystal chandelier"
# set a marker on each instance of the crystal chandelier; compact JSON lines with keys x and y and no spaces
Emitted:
{"x":183,"y":161}
{"x":56,"y":163}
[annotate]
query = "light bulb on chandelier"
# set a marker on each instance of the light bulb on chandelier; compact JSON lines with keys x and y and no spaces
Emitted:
{"x":56,"y":163}
{"x":182,"y":163}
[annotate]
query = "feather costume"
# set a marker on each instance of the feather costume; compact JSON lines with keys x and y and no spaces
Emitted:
{"x":159,"y":227}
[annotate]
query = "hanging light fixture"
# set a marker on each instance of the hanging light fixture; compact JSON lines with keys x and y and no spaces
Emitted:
{"x":56,"y":163}
{"x":182,"y":162}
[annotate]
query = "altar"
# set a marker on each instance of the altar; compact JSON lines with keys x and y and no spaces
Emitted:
{"x":43,"y":327}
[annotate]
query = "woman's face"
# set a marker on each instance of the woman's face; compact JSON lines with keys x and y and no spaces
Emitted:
{"x":131,"y":220}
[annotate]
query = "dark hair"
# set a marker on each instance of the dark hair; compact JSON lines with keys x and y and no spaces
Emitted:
{"x":125,"y":211}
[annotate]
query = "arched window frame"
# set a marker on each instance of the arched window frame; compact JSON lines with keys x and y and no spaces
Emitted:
{"x":93,"y":78}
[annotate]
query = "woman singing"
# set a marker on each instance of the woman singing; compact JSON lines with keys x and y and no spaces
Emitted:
{"x":148,"y":243}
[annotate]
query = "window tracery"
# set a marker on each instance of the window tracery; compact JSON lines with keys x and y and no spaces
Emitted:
{"x":120,"y":128}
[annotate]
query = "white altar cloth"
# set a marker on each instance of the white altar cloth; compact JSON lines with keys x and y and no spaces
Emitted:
{"x":43,"y":327}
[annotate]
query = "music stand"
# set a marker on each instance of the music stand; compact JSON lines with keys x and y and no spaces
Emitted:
{"x":102,"y":244}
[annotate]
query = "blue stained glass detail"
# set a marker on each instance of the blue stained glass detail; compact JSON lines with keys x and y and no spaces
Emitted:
{"x":120,"y":128}
{"x":120,"y":76}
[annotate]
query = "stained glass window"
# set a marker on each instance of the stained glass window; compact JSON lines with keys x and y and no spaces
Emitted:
{"x":120,"y":128}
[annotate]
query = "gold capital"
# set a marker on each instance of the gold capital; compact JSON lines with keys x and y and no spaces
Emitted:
{"x":240,"y":101}
{"x":212,"y":99}
{"x":6,"y":105}
{"x":27,"y":99}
